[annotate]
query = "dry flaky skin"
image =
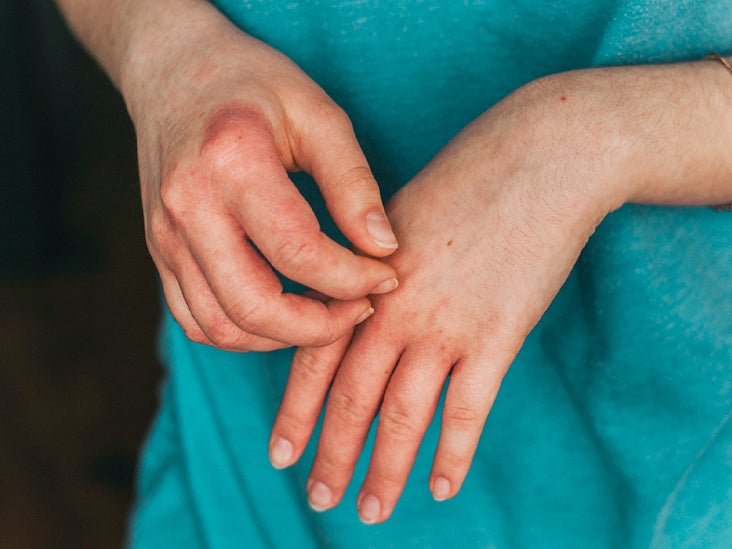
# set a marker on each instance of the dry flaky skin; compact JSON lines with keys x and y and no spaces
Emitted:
{"x":489,"y":231}
{"x":528,"y":183}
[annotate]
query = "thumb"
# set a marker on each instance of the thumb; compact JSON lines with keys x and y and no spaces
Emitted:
{"x":330,"y":153}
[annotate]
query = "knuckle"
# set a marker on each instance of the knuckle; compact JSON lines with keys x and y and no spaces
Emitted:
{"x":174,"y":198}
{"x":331,"y":115}
{"x":333,"y":463}
{"x":195,"y":334}
{"x":190,"y":328}
{"x":454,"y":461}
{"x":295,"y":420}
{"x":325,"y":335}
{"x":231,"y":133}
{"x":158,"y":231}
{"x":222,"y":333}
{"x":444,"y":348}
{"x":462,"y":418}
{"x":248,"y":314}
{"x":236,"y":143}
{"x":218,"y":335}
{"x":293,"y":255}
{"x":386,"y":474}
{"x":398,"y":422}
{"x":310,"y":365}
{"x":359,"y":180}
{"x":350,"y":411}
{"x":291,"y":421}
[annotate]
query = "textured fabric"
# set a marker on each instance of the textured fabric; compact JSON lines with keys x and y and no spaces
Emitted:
{"x":612,"y":428}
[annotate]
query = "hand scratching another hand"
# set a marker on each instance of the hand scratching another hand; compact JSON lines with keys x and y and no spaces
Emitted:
{"x":216,"y":139}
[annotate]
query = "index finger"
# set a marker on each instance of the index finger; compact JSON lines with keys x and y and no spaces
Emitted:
{"x":251,"y":295}
{"x":260,"y":196}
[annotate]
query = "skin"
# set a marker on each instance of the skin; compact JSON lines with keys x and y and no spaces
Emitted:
{"x":529,"y":181}
{"x":488,"y":231}
{"x":219,"y":125}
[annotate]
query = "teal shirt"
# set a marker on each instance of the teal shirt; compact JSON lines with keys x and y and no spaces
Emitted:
{"x":612,"y":428}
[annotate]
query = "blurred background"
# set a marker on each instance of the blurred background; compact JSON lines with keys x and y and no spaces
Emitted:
{"x":78,"y":295}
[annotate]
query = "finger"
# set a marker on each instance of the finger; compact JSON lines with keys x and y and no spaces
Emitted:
{"x":179,"y":308}
{"x":208,"y":314}
{"x":262,"y":199}
{"x":353,"y":402}
{"x":330,"y":152}
{"x":311,"y":374}
{"x":251,"y":295}
{"x":470,"y":395}
{"x":409,"y":405}
{"x":219,"y":332}
{"x":161,"y":240}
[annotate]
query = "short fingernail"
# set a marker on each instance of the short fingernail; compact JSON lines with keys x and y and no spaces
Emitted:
{"x":441,"y":489}
{"x":320,"y":496}
{"x":386,"y":286}
{"x":365,"y":315}
{"x":280,"y":453}
{"x":380,"y":230}
{"x":369,"y":509}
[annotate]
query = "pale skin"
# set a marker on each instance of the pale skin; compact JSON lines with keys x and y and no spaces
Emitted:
{"x":488,"y":231}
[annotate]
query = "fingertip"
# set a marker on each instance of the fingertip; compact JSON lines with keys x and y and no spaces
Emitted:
{"x":386,"y":286}
{"x":320,"y":496}
{"x":281,"y":453}
{"x":441,"y":489}
{"x":381,"y":232}
{"x":366,"y":314}
{"x":369,"y":509}
{"x":345,"y":315}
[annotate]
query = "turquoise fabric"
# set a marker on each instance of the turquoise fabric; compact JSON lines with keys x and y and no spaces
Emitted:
{"x":612,"y":428}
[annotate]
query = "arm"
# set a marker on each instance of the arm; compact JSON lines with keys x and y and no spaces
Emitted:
{"x":220,"y":119}
{"x":529,"y":181}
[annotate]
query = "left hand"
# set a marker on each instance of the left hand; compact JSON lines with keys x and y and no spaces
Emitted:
{"x":489,"y":232}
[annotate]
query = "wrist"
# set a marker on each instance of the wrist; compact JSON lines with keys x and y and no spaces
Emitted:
{"x":164,"y":41}
{"x":105,"y":29}
{"x":575,"y":126}
{"x":655,"y":134}
{"x":684,"y":157}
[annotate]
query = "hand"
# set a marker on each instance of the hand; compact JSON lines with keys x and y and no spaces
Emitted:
{"x":489,"y":232}
{"x":221,"y":118}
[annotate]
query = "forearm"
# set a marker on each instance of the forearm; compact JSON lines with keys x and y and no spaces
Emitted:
{"x":660,"y":133}
{"x":687,"y":160}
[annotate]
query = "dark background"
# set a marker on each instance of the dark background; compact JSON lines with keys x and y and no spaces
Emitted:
{"x":78,"y":295}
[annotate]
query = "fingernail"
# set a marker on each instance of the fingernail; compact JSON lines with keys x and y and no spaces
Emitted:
{"x":280,"y":453}
{"x":369,"y":509}
{"x":320,"y":496}
{"x":386,"y":286}
{"x":380,"y":230}
{"x":365,"y":315}
{"x":441,"y":489}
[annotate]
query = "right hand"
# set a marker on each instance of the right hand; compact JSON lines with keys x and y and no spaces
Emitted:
{"x":220,"y":119}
